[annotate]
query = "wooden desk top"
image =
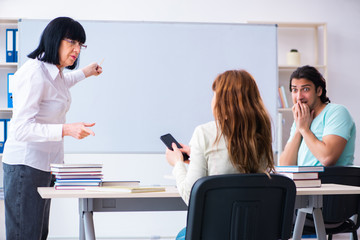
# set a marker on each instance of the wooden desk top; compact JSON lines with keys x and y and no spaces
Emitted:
{"x":50,"y":192}
{"x":329,"y":189}
{"x":171,"y":192}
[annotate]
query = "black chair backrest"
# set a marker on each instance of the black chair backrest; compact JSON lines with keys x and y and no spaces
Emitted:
{"x":241,"y":206}
{"x":338,"y":208}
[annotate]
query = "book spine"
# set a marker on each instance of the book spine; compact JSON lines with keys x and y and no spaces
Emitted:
{"x":282,"y":105}
{"x":286,"y":104}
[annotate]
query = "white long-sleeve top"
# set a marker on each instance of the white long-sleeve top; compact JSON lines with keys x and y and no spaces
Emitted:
{"x":206,"y":159}
{"x":41,"y":99}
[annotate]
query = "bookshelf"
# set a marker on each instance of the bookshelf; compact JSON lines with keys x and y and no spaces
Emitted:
{"x":310,"y":39}
{"x":5,"y":67}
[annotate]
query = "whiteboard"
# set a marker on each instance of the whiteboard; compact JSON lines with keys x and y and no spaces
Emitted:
{"x":157,"y":78}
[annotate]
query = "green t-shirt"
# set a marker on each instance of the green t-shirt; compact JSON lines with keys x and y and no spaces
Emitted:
{"x":333,"y":120}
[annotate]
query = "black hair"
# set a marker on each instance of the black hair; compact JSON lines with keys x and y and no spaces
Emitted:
{"x":312,"y":74}
{"x":58,"y":29}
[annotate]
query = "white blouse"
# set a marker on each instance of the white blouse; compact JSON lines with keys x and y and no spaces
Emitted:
{"x":206,"y":159}
{"x":41,"y":99}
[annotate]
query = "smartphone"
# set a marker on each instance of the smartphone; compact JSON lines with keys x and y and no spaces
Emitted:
{"x":168,"y":139}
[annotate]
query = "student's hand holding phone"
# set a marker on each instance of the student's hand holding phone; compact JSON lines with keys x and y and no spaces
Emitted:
{"x":185,"y":149}
{"x":176,"y":155}
{"x":168,"y":140}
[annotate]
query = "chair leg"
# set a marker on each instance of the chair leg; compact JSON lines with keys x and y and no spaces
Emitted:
{"x":330,"y":237}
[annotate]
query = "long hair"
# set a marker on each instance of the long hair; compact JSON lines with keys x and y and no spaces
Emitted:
{"x":243,"y":121}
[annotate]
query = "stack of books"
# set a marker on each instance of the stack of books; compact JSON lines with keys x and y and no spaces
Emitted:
{"x":77,"y":176}
{"x":303,"y":176}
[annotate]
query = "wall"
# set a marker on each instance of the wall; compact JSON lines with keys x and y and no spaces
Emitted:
{"x":343,"y":18}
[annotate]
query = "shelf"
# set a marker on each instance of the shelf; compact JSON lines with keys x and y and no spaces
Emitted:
{"x":301,"y":25}
{"x":284,"y":109}
{"x":5,"y":113}
{"x":311,"y":40}
{"x":291,"y":24}
{"x":287,"y":67}
{"x":7,"y":65}
{"x":5,"y":21}
{"x":6,"y":110}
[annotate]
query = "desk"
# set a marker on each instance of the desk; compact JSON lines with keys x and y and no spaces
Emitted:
{"x":96,"y":201}
{"x":308,"y":200}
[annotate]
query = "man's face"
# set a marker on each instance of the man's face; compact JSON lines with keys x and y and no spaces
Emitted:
{"x":304,"y":90}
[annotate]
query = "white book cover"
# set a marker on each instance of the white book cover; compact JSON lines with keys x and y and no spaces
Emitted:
{"x":301,"y":175}
{"x":308,"y":183}
{"x":294,"y":168}
{"x":66,"y":165}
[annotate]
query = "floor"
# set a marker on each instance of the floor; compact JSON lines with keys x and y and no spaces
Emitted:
{"x":2,"y":235}
{"x":335,"y":237}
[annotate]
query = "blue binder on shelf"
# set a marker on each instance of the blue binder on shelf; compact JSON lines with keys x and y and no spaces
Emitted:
{"x":11,"y":45}
{"x":10,"y":89}
{"x":16,"y":41}
{"x":3,"y":133}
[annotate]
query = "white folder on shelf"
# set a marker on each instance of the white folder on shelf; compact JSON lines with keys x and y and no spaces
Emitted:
{"x":9,"y":45}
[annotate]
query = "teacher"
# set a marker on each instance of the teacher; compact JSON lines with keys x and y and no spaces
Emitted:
{"x":41,"y":99}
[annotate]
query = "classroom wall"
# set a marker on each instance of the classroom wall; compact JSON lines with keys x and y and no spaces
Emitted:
{"x":342,"y":17}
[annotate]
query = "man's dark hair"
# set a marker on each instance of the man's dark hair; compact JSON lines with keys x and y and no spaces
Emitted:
{"x":312,"y":74}
{"x":58,"y":29}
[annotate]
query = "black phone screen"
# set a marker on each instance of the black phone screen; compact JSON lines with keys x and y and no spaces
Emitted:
{"x":168,"y":139}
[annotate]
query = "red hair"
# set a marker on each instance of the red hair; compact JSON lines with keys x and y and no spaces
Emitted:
{"x":243,"y":121}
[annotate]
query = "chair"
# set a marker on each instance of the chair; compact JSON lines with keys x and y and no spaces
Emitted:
{"x":338,"y":209}
{"x":241,"y":206}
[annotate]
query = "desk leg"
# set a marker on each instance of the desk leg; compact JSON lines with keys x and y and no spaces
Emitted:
{"x":313,"y":206}
{"x":89,"y":226}
{"x":81,"y":226}
{"x":299,"y":225}
{"x":319,"y":224}
{"x":82,"y":203}
{"x":87,"y":230}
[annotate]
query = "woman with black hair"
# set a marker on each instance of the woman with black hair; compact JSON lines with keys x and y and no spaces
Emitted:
{"x":41,"y":99}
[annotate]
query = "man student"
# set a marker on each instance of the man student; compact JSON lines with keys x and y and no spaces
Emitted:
{"x":323,"y":133}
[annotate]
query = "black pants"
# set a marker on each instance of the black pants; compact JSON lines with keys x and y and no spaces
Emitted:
{"x":26,"y":213}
